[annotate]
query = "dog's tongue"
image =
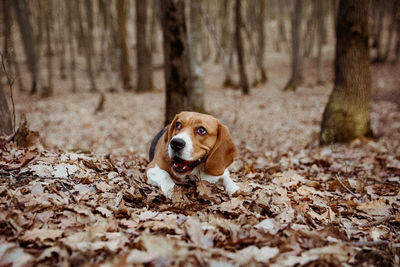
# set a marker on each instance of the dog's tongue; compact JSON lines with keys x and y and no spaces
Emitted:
{"x":181,"y":166}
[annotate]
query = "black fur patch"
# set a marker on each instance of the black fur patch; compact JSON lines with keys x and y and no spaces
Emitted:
{"x":154,"y":143}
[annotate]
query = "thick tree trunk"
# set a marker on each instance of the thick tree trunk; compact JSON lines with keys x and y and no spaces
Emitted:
{"x":177,"y":71}
{"x":125,"y":68}
{"x":297,"y":57}
{"x":21,"y":8}
{"x":196,"y":97}
{"x":346,"y":115}
{"x":5,"y":115}
{"x":144,"y":64}
{"x":244,"y":84}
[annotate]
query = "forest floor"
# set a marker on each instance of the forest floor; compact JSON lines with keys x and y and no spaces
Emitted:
{"x":77,"y":193}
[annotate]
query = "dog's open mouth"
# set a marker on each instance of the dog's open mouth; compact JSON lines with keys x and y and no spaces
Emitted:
{"x":183,"y":166}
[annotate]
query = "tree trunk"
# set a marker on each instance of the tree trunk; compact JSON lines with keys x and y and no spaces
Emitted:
{"x":89,"y":45}
{"x":21,"y":8}
{"x":196,"y":97}
{"x":319,"y":6}
{"x":144,"y":64}
{"x":5,"y":115}
{"x":297,"y":57}
{"x":261,"y":40}
{"x":177,"y":72}
{"x":392,"y":27}
{"x":244,"y":84}
{"x":48,"y":90}
{"x":70,"y":10}
{"x":61,"y":40}
{"x":397,"y":46}
{"x":125,"y":68}
{"x":346,"y":115}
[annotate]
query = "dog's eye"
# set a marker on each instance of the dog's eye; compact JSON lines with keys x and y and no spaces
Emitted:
{"x":201,"y":130}
{"x":178,"y":125}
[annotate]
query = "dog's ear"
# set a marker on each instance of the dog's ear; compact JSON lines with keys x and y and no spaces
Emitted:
{"x":168,"y":134}
{"x":222,"y":154}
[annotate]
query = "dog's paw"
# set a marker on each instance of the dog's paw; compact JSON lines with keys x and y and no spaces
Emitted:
{"x":168,"y":190}
{"x":233,"y":190}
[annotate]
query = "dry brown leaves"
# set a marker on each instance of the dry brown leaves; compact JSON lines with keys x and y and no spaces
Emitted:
{"x":331,"y":205}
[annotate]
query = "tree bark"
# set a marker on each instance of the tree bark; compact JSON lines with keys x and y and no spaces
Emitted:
{"x":244,"y":84}
{"x":72,"y":66}
{"x":346,"y":115}
{"x":297,"y":57}
{"x":177,"y":71}
{"x":144,"y":64}
{"x":261,"y":40}
{"x":21,"y":9}
{"x":196,"y":97}
{"x":89,"y":45}
{"x":319,"y":5}
{"x":48,"y":90}
{"x":5,"y":115}
{"x":125,"y":68}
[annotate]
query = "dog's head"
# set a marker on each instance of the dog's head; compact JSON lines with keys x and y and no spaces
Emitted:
{"x":195,"y":138}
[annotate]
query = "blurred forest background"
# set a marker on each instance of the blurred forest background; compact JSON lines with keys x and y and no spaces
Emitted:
{"x":204,"y":54}
{"x":97,"y":79}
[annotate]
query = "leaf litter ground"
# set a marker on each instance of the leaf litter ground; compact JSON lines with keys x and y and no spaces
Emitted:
{"x":79,"y":195}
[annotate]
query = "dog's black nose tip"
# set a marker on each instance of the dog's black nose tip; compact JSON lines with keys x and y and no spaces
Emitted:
{"x":177,"y":144}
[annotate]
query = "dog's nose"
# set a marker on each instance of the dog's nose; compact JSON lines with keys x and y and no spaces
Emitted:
{"x":177,"y":144}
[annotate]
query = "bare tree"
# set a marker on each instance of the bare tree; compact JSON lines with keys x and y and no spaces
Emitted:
{"x":320,"y":8}
{"x":196,"y":97}
{"x":177,"y":72}
{"x":260,"y":25}
{"x":5,"y":115}
{"x":88,"y":37}
{"x":244,"y":83}
{"x":143,"y":53}
{"x":125,"y":68}
{"x":346,"y":115}
{"x":22,"y":12}
{"x":297,"y":58}
{"x":48,"y":90}
{"x":70,"y":10}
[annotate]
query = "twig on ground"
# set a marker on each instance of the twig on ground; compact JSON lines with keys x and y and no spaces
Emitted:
{"x":388,"y":217}
{"x":10,"y":81}
{"x":345,"y":187}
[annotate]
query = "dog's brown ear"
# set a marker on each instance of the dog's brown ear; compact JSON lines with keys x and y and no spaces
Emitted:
{"x":168,"y":134}
{"x":222,"y":154}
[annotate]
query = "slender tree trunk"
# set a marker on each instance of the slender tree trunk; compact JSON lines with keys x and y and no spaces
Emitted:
{"x":21,"y":8}
{"x":5,"y":115}
{"x":379,"y":30}
{"x":125,"y":68}
{"x":319,"y":6}
{"x":70,"y":8}
{"x":261,"y":40}
{"x":61,"y":40}
{"x":89,"y":45}
{"x":346,"y":115}
{"x":196,"y":98}
{"x":297,"y":57}
{"x":397,"y":46}
{"x":8,"y":49}
{"x":48,"y":90}
{"x":392,"y":28}
{"x":177,"y":72}
{"x":244,"y":84}
{"x":144,"y":64}
{"x":281,"y":40}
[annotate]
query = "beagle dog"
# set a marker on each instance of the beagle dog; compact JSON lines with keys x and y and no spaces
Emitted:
{"x":194,"y":146}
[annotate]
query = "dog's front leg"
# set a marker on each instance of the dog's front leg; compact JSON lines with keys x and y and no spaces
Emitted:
{"x":230,"y":186}
{"x":162,"y":179}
